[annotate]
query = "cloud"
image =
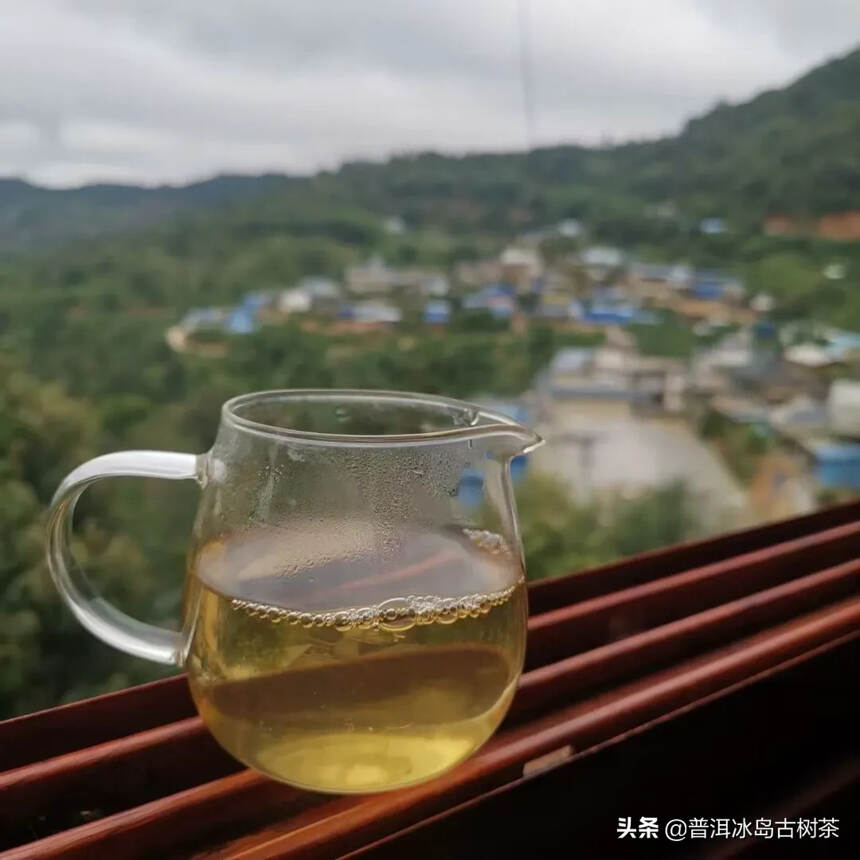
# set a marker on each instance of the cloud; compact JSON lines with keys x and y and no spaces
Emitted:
{"x":153,"y":91}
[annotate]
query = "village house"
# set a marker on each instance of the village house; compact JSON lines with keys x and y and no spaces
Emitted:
{"x":437,"y":312}
{"x":773,"y":379}
{"x":835,"y":463}
{"x":476,"y":273}
{"x":658,"y":283}
{"x":715,"y":286}
{"x":762,"y":303}
{"x":841,"y":226}
{"x":800,"y":417}
{"x":556,"y":305}
{"x":498,"y":299}
{"x":242,"y":318}
{"x":434,"y":284}
{"x":825,"y":348}
{"x":781,"y":224}
{"x":713,"y":311}
{"x":394,"y":225}
{"x":610,"y":306}
{"x":601,"y":263}
{"x":834,"y":271}
{"x":844,"y":226}
{"x":202,"y":318}
{"x":371,"y":313}
{"x":568,"y":228}
{"x":313,"y":293}
{"x":371,"y":277}
{"x":616,"y":372}
{"x":843,"y":407}
{"x":521,"y":267}
{"x":712,"y":226}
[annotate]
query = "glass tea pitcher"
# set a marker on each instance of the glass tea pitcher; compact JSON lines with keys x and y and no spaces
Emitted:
{"x":350,"y":621}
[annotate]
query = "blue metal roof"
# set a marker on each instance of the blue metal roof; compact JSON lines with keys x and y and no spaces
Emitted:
{"x":617,"y":315}
{"x":437,"y":311}
{"x":202,"y":316}
{"x":254,"y":301}
{"x":837,"y":465}
{"x":709,"y":288}
{"x":837,"y":452}
{"x":240,"y":321}
{"x":499,"y":289}
{"x":497,"y":302}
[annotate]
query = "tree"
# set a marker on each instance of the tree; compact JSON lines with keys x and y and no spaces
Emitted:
{"x":561,"y":536}
{"x":45,"y":655}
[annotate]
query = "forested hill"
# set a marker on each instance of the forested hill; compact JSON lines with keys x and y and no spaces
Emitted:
{"x":32,"y":216}
{"x":795,"y":149}
{"x":791,"y":150}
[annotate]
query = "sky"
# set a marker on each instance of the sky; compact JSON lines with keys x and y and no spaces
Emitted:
{"x":155,"y":91}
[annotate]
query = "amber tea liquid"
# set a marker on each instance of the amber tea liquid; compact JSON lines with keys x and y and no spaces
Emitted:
{"x":318,"y":676}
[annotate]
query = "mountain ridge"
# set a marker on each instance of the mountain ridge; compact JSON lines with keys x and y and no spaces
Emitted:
{"x":791,"y":149}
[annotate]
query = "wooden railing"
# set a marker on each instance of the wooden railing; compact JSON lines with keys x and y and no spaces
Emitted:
{"x":688,"y":680}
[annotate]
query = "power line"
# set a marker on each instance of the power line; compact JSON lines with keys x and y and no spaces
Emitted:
{"x":526,"y":78}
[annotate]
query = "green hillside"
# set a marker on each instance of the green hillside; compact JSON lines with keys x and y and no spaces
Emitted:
{"x":91,"y":279}
{"x":794,"y":150}
{"x":31,"y":216}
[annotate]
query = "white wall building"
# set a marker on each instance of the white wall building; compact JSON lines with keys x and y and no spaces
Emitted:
{"x":843,"y":407}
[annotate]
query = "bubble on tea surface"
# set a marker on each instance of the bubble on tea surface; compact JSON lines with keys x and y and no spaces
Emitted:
{"x":393,"y":615}
{"x":396,"y":615}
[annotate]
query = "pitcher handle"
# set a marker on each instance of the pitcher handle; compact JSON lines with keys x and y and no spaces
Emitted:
{"x":98,"y":616}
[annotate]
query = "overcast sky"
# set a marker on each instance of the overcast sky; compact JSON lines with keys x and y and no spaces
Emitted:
{"x":174,"y":90}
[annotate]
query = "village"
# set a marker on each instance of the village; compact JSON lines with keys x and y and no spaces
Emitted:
{"x":760,"y":417}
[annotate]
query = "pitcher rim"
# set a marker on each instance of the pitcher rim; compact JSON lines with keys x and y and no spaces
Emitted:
{"x":499,"y":423}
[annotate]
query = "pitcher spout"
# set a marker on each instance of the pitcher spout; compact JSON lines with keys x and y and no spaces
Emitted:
{"x":525,"y":440}
{"x":509,"y":440}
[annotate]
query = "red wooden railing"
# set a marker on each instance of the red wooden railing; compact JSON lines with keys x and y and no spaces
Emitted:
{"x":722,"y":671}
